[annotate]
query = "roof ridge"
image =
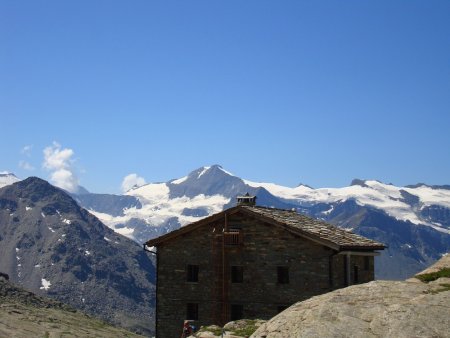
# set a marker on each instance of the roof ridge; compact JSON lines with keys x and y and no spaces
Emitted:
{"x":268,"y":208}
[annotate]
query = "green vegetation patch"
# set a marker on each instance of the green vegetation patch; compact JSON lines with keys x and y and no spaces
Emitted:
{"x":445,"y":287}
{"x":215,"y":330}
{"x":247,"y":330}
{"x":429,"y":277}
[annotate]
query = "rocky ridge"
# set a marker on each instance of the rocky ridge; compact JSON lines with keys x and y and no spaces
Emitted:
{"x":53,"y":247}
{"x":24,"y":314}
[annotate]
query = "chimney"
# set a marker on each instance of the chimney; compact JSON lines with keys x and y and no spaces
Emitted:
{"x":246,"y":200}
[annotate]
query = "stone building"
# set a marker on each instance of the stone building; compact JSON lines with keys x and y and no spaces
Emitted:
{"x":252,"y":262}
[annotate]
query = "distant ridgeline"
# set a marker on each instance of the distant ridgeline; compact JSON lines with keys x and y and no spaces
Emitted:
{"x":413,"y":221}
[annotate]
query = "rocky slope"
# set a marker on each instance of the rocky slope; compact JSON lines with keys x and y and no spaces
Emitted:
{"x":24,"y":314}
{"x":411,"y":308}
{"x":50,"y":245}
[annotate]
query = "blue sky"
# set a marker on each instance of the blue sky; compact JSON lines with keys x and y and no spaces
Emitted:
{"x":318,"y":92}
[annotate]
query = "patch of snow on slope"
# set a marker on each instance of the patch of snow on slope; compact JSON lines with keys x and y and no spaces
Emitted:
{"x":378,"y":195}
{"x":45,"y":284}
{"x":429,"y":196}
{"x":205,"y":169}
{"x":151,"y":193}
{"x":180,"y":180}
{"x":112,"y":223}
{"x":7,"y":178}
{"x":158,"y":207}
{"x":225,"y":171}
{"x":281,"y":191}
{"x":327,"y":212}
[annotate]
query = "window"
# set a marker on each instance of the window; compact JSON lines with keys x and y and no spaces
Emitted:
{"x":192,"y":273}
{"x":366,"y":263}
{"x":192,"y":311}
{"x":283,"y":275}
{"x":237,"y":274}
{"x":355,"y":274}
{"x":237,"y":311}
{"x":233,"y":237}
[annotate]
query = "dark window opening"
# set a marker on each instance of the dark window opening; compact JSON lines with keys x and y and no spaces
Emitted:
{"x":237,"y":311}
{"x":192,"y":311}
{"x":192,"y":273}
{"x":237,"y":274}
{"x":366,"y":263}
{"x":355,"y":274}
{"x":283,"y":275}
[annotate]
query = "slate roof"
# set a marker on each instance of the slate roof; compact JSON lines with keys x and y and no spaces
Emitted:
{"x":302,"y":225}
{"x":316,"y":228}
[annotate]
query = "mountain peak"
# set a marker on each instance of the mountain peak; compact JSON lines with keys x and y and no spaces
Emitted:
{"x":7,"y":178}
{"x":357,"y":181}
{"x":6,"y":173}
{"x":34,"y":182}
{"x":213,"y":170}
{"x":35,"y":188}
{"x":304,"y":185}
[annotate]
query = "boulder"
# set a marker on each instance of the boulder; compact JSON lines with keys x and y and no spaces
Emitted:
{"x":410,"y":308}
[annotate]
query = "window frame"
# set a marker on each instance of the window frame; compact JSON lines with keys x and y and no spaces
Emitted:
{"x":192,"y":273}
{"x":283,"y":275}
{"x":356,"y":274}
{"x":237,"y":274}
{"x":192,"y":311}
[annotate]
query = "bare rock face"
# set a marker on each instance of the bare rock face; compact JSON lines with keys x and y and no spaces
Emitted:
{"x":54,"y":248}
{"x":377,"y":309}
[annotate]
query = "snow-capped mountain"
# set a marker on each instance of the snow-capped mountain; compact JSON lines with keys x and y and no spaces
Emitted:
{"x":7,"y":178}
{"x":411,"y":204}
{"x":414,"y":221}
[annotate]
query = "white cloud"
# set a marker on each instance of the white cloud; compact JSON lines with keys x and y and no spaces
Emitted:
{"x":25,"y":165}
{"x":26,"y":150}
{"x":131,"y":181}
{"x":60,"y":163}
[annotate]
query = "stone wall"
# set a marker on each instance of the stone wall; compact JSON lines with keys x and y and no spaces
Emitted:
{"x":265,"y":247}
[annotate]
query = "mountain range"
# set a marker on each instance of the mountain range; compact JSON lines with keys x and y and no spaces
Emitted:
{"x":413,"y":221}
{"x":53,"y":247}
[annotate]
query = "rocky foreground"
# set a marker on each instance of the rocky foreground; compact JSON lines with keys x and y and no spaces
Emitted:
{"x":23,"y":314}
{"x":417,"y":307}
